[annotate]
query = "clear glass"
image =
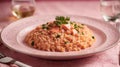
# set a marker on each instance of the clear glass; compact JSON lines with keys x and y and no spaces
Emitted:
{"x":110,"y":9}
{"x":23,"y":8}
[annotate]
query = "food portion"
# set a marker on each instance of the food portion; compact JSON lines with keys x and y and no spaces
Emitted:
{"x":60,"y":35}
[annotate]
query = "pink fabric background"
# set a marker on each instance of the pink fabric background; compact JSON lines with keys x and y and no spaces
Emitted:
{"x":55,"y":0}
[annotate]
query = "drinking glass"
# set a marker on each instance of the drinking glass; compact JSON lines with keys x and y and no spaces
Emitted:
{"x":23,"y":8}
{"x":110,"y":10}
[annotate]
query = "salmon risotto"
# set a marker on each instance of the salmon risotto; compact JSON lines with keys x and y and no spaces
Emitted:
{"x":60,"y":35}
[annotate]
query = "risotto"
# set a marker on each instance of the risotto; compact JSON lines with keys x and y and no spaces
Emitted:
{"x":60,"y":35}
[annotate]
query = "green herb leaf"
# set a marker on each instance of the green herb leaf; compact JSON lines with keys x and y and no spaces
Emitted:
{"x":80,"y":26}
{"x":82,"y":33}
{"x":59,"y":20}
{"x":67,"y":18}
{"x":58,"y":23}
{"x":44,"y":26}
{"x":75,"y":26}
{"x":62,"y":18}
{"x":64,"y":22}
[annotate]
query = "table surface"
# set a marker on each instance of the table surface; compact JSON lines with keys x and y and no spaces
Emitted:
{"x":107,"y":58}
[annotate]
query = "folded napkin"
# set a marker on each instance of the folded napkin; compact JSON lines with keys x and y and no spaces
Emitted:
{"x":108,"y":58}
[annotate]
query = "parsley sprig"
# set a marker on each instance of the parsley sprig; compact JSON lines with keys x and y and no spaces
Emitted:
{"x":59,"y":20}
{"x":45,"y":26}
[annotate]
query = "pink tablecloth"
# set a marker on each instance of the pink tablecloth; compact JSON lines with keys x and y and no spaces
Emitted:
{"x":108,"y":58}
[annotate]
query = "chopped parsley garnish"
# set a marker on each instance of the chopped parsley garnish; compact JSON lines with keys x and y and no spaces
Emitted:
{"x":58,"y":23}
{"x":93,"y":37}
{"x":58,"y":36}
{"x":32,"y":43}
{"x":67,"y":18}
{"x":82,"y":33}
{"x":75,"y":26}
{"x":59,"y":20}
{"x":66,"y":42}
{"x":44,"y":26}
{"x":80,"y":27}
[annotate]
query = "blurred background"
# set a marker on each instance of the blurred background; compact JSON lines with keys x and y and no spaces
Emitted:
{"x":57,"y":0}
{"x":53,"y":7}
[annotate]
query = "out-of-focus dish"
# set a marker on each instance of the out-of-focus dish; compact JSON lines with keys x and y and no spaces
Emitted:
{"x":14,"y":34}
{"x":60,"y":35}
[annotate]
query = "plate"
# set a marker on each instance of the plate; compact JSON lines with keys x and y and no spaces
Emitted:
{"x":13,"y":35}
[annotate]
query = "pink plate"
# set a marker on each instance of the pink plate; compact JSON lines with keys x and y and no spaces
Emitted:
{"x":106,"y":37}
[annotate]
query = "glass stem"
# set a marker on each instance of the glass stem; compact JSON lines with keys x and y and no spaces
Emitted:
{"x":118,"y":26}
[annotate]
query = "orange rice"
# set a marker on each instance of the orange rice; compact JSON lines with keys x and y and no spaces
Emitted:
{"x":63,"y":38}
